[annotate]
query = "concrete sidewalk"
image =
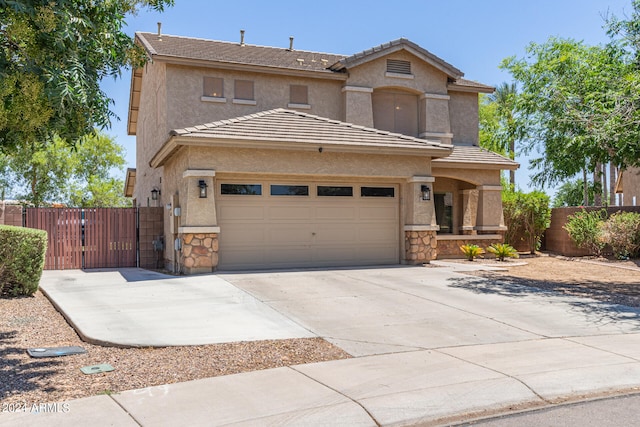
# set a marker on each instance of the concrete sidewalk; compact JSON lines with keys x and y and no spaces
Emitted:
{"x":432,"y":346}
{"x":427,"y":386}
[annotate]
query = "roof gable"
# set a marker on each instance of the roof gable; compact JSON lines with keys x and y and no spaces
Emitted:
{"x":395,"y":46}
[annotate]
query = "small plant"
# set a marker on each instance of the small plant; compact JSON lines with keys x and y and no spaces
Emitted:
{"x":471,"y":251}
{"x":502,"y":251}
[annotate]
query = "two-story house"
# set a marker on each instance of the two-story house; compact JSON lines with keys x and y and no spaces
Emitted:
{"x":270,"y":157}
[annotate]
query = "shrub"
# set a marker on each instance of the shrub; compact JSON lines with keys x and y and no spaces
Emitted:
{"x":622,"y":232}
{"x":502,"y":251}
{"x":22,"y":252}
{"x":526,"y":214}
{"x":471,"y":251}
{"x":585,"y":230}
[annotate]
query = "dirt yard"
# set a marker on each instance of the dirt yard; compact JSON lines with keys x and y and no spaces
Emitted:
{"x":33,"y":322}
{"x":598,"y":278}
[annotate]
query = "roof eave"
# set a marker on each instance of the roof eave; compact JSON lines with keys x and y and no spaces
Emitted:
{"x":452,"y":87}
{"x":453,"y":164}
{"x":175,"y":142}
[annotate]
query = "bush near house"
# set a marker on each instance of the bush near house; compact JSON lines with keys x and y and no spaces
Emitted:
{"x":22,"y":256}
{"x":502,"y":251}
{"x":471,"y":251}
{"x":622,"y":232}
{"x":526,"y":214}
{"x":585,"y":230}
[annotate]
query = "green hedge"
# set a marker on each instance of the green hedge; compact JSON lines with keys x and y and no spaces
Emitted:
{"x":22,"y":252}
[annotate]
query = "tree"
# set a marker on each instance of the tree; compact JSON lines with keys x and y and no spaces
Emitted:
{"x":571,"y":194}
{"x":56,"y":172}
{"x":526,"y":215}
{"x":579,"y":104}
{"x":53,"y":55}
{"x":509,"y":129}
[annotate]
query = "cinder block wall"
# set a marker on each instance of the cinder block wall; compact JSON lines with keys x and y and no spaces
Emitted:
{"x":557,"y":239}
{"x":151,"y":227}
{"x":12,"y":215}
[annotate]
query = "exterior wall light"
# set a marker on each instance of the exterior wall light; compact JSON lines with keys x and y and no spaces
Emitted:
{"x":155,"y":193}
{"x":203,"y":189}
{"x":426,"y":192}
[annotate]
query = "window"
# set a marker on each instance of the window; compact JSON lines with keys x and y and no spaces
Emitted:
{"x":289,"y":190}
{"x":397,"y":66}
{"x":241,"y":189}
{"x":377,"y":192}
{"x":330,"y":191}
{"x":213,"y":87}
{"x":243,"y":89}
{"x":298,"y":94}
{"x":444,"y":211}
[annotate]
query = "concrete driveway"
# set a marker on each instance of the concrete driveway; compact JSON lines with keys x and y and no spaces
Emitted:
{"x":398,"y":309}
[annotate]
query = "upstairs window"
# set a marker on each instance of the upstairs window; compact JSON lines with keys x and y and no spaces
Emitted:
{"x":397,"y":66}
{"x":299,"y":94}
{"x":213,"y":87}
{"x":395,"y":111}
{"x":243,"y":89}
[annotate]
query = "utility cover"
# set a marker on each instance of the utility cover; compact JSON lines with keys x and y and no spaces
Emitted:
{"x":97,"y":369}
{"x":55,"y":351}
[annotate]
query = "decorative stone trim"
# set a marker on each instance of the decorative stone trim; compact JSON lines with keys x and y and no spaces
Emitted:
{"x":199,"y":252}
{"x":434,"y":96}
{"x":489,"y":187}
{"x":420,"y":246}
{"x":421,"y":228}
{"x":421,"y":179}
{"x":213,"y":99}
{"x":198,"y":173}
{"x":357,"y":89}
{"x":198,"y":230}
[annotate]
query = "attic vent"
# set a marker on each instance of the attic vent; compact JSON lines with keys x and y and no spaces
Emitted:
{"x":398,"y":66}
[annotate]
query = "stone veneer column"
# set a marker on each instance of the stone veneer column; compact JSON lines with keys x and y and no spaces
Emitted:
{"x":420,"y":246}
{"x":199,"y":252}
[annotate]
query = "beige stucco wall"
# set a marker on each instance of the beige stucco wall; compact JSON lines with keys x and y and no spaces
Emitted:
{"x":631,"y":186}
{"x":151,"y":132}
{"x":427,"y":79}
{"x":184,"y":89}
{"x":463,"y":110}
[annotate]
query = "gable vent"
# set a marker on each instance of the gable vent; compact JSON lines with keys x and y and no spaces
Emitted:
{"x":398,"y":66}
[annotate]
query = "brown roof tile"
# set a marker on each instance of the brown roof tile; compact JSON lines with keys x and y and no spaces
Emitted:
{"x":466,"y":155}
{"x":234,"y":53}
{"x":281,"y":125}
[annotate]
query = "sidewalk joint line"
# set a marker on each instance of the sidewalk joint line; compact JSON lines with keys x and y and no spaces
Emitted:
{"x":341,"y":394}
{"x":135,"y":420}
{"x":498,"y":372}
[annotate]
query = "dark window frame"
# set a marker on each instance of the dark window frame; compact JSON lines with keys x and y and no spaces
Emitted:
{"x":372,"y":190}
{"x":335,"y":190}
{"x":299,"y":192}
{"x":228,"y":186}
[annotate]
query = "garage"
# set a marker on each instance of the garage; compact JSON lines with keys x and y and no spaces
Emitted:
{"x":284,"y":224}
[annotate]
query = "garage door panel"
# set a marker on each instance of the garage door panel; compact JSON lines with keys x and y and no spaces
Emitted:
{"x":235,"y":234}
{"x":289,"y":213}
{"x":336,"y":213}
{"x":331,"y":234}
{"x":290,"y":255}
{"x":335,"y":255}
{"x":244,"y":257}
{"x":378,"y":213}
{"x":289,"y":234}
{"x":242,"y":212}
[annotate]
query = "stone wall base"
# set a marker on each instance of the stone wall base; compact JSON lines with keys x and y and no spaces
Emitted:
{"x":420,"y":246}
{"x":199,"y":253}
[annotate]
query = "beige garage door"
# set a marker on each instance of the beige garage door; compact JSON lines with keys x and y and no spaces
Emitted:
{"x":278,"y":225}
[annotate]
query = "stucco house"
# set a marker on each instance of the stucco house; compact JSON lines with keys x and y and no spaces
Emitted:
{"x":268,"y":157}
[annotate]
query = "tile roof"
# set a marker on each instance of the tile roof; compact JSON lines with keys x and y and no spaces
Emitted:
{"x":235,"y":53}
{"x":472,"y":85}
{"x":466,"y":155}
{"x":282,"y":125}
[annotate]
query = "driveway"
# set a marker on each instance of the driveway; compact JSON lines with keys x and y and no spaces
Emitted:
{"x":398,"y":309}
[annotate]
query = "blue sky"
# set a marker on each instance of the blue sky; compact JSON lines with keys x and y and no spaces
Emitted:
{"x":472,"y":35}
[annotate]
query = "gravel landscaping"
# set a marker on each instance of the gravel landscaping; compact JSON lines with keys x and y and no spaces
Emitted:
{"x":32,"y":322}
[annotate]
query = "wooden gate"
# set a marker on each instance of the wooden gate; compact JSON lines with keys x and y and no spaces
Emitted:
{"x":87,"y":238}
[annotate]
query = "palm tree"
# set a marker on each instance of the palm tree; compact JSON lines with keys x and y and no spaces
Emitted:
{"x":504,"y":99}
